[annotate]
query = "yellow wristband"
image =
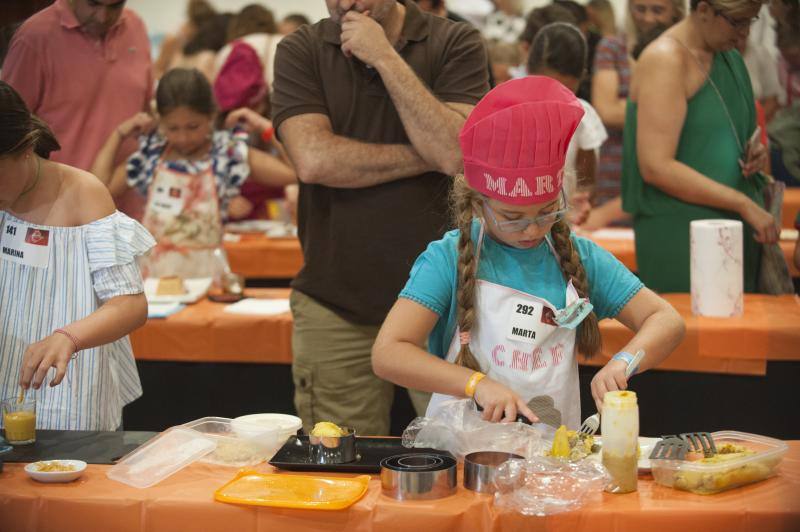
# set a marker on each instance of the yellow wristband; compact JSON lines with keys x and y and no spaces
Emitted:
{"x":473,"y":381}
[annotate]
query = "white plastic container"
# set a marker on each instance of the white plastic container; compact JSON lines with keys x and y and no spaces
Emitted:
{"x":270,"y":430}
{"x":160,"y":457}
{"x":232,"y":449}
{"x":620,"y":428}
{"x":708,"y":478}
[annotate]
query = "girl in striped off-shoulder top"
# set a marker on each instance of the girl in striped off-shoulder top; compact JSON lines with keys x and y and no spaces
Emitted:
{"x":70,"y":288}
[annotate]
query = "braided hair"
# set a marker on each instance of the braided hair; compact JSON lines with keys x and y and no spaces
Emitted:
{"x":589,"y":341}
{"x":465,"y":204}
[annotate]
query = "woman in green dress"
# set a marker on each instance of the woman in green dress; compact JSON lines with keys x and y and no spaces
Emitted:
{"x":688,"y":153}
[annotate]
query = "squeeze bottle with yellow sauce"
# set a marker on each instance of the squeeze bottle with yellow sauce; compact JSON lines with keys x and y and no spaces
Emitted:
{"x":620,"y":428}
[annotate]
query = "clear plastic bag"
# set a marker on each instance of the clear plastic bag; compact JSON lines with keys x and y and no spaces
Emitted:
{"x":458,"y":428}
{"x":546,"y":486}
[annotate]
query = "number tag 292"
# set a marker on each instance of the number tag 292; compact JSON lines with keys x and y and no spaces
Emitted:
{"x":528,"y":321}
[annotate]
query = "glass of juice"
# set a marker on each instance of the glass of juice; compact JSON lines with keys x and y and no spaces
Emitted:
{"x":19,"y":420}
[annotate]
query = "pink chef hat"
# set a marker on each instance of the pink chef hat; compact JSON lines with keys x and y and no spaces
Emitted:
{"x":515,"y":140}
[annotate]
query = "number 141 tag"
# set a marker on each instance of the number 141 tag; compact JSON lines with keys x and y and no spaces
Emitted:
{"x":529,"y":321}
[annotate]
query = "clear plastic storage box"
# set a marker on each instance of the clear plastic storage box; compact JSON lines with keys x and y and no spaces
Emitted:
{"x":723,"y":471}
{"x":232,"y":448}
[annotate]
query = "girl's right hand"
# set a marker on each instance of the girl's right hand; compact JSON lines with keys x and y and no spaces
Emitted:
{"x":136,"y":125}
{"x":52,"y":352}
{"x":500,"y":403}
{"x":767,"y":231}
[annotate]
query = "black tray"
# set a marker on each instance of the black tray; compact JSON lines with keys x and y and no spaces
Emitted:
{"x":93,"y":447}
{"x":294,"y":455}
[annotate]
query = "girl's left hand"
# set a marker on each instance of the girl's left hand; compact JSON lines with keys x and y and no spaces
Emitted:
{"x":239,"y":207}
{"x":248,"y":118}
{"x":756,"y":159}
{"x":54,"y":351}
{"x":610,"y":378}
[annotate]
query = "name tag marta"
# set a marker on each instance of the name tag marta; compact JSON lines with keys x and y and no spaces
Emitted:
{"x":29,"y":246}
{"x":528,"y":321}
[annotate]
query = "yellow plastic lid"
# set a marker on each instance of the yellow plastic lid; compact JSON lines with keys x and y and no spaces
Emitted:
{"x":293,"y":491}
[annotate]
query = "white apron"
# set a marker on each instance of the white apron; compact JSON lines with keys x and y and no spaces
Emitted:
{"x":183,"y":215}
{"x":517,"y":343}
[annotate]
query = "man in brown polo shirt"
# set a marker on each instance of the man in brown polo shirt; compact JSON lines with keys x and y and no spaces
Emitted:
{"x":369,"y":103}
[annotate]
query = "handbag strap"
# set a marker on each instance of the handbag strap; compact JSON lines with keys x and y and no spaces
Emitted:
{"x":707,"y":75}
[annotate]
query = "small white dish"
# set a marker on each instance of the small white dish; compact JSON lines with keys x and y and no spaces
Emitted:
{"x":79,"y":466}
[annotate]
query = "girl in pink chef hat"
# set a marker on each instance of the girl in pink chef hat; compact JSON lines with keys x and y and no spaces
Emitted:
{"x":499,"y":308}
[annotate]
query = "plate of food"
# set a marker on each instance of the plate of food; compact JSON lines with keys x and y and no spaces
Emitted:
{"x":56,"y":470}
{"x":572,"y":445}
{"x":175,"y":289}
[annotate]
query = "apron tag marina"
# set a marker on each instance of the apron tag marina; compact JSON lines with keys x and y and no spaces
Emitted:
{"x":25,"y":245}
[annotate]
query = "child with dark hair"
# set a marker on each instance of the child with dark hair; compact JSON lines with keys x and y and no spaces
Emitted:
{"x":70,"y":288}
{"x":201,"y":48}
{"x":559,"y":51}
{"x":498,"y":309}
{"x":188,"y":171}
{"x":291,"y":22}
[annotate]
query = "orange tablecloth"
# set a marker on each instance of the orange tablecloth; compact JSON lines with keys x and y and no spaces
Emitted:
{"x":259,"y":257}
{"x":256,"y":256}
{"x":185,"y":502}
{"x":791,"y":206}
{"x":204,"y":333}
{"x":624,"y":250}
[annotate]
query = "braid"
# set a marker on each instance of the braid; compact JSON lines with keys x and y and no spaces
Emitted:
{"x":589,"y":340}
{"x":463,"y":202}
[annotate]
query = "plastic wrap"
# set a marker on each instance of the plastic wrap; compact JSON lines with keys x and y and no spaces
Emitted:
{"x":458,"y":428}
{"x":546,"y":486}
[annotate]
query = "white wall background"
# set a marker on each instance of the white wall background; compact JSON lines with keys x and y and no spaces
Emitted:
{"x":165,"y":16}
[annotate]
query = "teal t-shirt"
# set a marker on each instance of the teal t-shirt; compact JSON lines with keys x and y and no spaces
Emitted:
{"x":536,"y":271}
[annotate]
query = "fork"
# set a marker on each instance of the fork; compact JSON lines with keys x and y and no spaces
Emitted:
{"x":592,"y":423}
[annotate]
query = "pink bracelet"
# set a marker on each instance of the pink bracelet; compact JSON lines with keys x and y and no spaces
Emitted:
{"x":72,"y":338}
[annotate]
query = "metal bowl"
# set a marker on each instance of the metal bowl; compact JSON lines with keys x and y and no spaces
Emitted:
{"x":481,"y":467}
{"x":418,"y":476}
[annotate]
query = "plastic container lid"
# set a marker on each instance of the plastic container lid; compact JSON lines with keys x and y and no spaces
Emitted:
{"x":293,"y":491}
{"x":706,"y":478}
{"x":161,"y":457}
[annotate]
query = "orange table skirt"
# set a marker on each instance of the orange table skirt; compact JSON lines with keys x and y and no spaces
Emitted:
{"x":185,"y":502}
{"x":204,"y":333}
{"x":624,"y":250}
{"x":791,"y":206}
{"x":259,"y":257}
{"x":256,"y":256}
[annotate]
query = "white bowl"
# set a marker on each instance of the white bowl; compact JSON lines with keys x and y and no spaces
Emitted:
{"x":272,"y":430}
{"x":56,"y":476}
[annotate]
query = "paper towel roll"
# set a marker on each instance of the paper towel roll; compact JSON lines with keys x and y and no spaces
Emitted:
{"x":716,"y":270}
